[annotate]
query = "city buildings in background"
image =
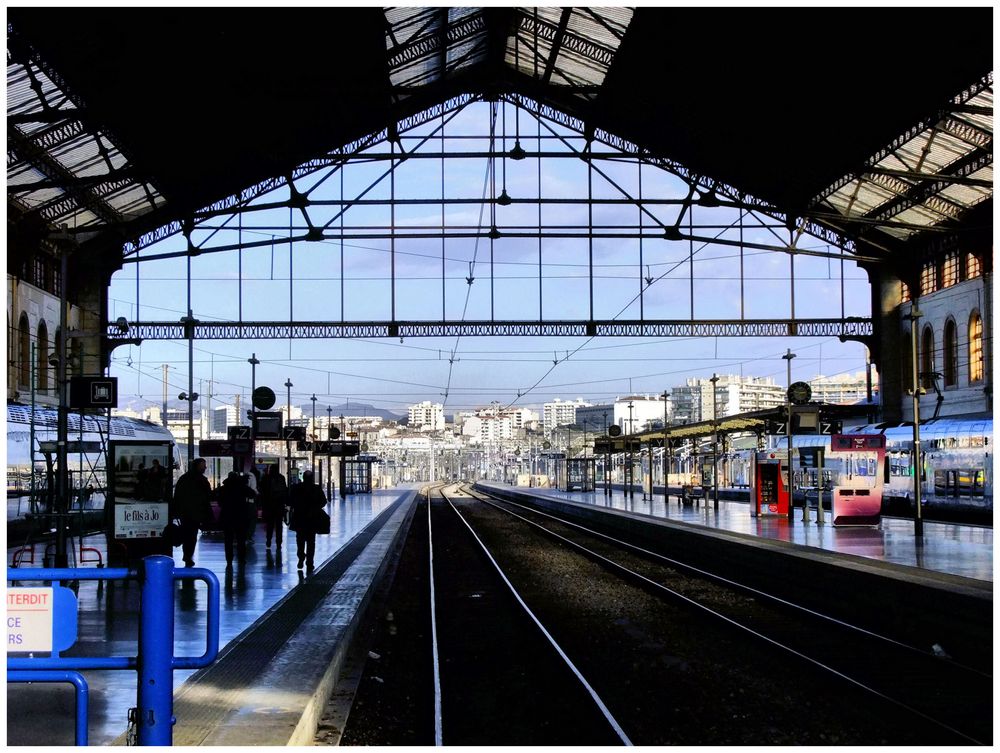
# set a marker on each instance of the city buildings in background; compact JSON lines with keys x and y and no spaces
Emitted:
{"x":426,"y":416}
{"x":561,"y":413}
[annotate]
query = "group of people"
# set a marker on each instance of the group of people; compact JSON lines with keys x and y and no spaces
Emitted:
{"x":237,"y":496}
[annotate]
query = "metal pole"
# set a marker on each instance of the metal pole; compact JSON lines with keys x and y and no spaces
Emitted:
{"x":32,"y":356}
{"x":253,"y":388}
{"x":715,"y":442}
{"x":628,"y":452}
{"x":163,"y":415}
{"x":313,"y":398}
{"x":607,"y":459}
{"x":155,"y":698}
{"x":666,"y":467}
{"x":918,"y":522}
{"x":189,"y":326}
{"x":788,"y":428}
{"x":61,"y":559}
{"x":343,"y":458}
{"x":288,"y":445}
{"x":819,"y":487}
{"x":329,"y":458}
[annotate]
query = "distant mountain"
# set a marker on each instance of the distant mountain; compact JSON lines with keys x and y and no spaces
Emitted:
{"x":351,"y":409}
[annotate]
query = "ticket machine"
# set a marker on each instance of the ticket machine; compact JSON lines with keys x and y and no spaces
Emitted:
{"x":770,"y":483}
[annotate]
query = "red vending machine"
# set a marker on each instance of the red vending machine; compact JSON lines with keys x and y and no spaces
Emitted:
{"x":770,"y":483}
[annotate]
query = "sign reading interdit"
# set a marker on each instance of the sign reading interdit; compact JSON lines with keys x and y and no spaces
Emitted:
{"x":40,"y":619}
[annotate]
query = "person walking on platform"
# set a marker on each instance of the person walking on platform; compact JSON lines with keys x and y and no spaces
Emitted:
{"x":274,"y":497}
{"x":307,"y":501}
{"x":192,"y":506}
{"x":234,"y":504}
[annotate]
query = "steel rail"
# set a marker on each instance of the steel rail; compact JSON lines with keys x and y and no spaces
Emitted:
{"x":573,"y":668}
{"x":660,"y":588}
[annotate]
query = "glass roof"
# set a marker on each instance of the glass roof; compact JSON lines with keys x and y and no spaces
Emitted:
{"x":566,"y":47}
{"x":571,"y":47}
{"x":427,"y":44}
{"x":929,"y":176}
{"x":58,"y":167}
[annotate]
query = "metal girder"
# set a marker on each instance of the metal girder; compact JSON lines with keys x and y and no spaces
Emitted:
{"x":332,"y":159}
{"x":933,"y":185}
{"x":852,"y":327}
{"x":430,"y":43}
{"x":559,"y":38}
{"x":76,"y":195}
{"x":911,"y":133}
{"x":623,"y":145}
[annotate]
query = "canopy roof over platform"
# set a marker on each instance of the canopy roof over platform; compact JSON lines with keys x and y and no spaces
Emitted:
{"x":122,"y":120}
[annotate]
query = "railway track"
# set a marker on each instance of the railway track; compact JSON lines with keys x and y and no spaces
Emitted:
{"x":536,"y":631}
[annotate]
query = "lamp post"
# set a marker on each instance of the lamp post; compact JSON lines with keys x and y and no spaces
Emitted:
{"x":313,"y":465}
{"x":189,"y":398}
{"x":630,"y":471}
{"x":788,"y":428}
{"x":252,"y":360}
{"x":329,"y":458}
{"x":715,"y":442}
{"x":918,"y":521}
{"x":288,"y":408}
{"x":607,"y":458}
{"x":189,"y":322}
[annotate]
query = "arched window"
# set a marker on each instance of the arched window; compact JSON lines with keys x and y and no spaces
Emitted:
{"x":927,"y":358}
{"x":973,"y":266}
{"x":42,"y":358}
{"x":950,"y":353}
{"x":975,"y":347}
{"x":24,"y":352}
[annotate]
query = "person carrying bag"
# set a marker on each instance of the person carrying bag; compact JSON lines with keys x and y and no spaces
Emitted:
{"x":308,"y":518}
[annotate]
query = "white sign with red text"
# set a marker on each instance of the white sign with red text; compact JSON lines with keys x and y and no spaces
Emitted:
{"x":29,"y":619}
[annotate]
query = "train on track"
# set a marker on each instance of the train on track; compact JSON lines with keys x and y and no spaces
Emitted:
{"x":86,"y":469}
{"x":956,"y":474}
{"x":955,"y":477}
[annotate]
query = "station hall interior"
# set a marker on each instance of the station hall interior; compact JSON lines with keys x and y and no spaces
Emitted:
{"x":616,"y":256}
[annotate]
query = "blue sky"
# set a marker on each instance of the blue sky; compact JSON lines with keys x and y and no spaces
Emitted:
{"x":392,"y":375}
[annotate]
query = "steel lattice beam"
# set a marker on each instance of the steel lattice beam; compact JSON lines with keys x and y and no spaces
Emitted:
{"x":852,"y":327}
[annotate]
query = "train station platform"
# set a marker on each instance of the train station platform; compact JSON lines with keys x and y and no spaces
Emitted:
{"x":961,"y":550}
{"x":282,"y":637}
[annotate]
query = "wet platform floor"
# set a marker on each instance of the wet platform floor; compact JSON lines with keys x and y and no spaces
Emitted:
{"x":42,"y":714}
{"x":963,"y":550}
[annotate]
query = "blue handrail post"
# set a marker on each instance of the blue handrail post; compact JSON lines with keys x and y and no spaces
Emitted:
{"x":75,"y":679}
{"x":156,"y":648}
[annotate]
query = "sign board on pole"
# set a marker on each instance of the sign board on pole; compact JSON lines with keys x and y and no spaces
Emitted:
{"x":93,"y":392}
{"x":267,"y":425}
{"x":41,"y":619}
{"x":224,"y":448}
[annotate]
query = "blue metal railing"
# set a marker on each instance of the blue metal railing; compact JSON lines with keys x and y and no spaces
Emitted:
{"x":75,"y":679}
{"x":155,"y":661}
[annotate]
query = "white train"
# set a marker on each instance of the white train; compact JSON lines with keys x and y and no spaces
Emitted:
{"x":956,"y":478}
{"x":86,"y":469}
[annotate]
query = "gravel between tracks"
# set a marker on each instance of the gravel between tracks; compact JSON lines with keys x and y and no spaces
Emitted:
{"x":669,"y":676}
